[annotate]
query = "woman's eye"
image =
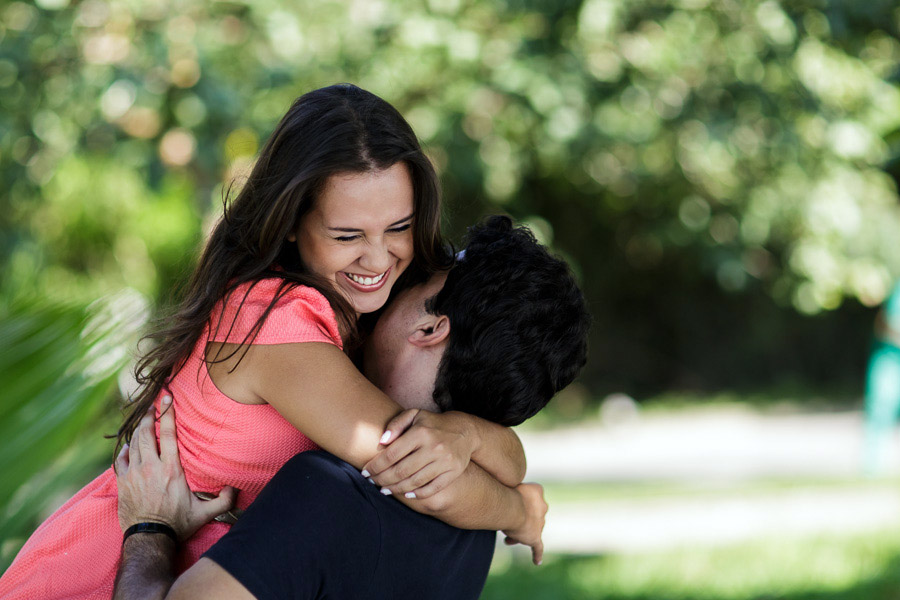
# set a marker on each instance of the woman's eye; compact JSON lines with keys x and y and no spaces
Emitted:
{"x":347,"y":238}
{"x":401,"y":228}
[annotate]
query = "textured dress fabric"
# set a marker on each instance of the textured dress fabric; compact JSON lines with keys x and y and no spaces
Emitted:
{"x":74,"y":554}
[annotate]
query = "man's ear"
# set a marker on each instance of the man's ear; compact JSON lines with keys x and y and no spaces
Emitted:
{"x":433,"y":332}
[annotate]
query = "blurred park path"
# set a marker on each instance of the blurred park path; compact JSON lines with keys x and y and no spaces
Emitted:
{"x":708,"y":476}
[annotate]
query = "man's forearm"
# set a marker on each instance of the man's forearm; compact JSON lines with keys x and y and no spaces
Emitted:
{"x":146,"y":571}
{"x":475,"y":500}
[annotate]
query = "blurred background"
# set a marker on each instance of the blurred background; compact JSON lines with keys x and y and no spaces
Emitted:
{"x":721,"y":174}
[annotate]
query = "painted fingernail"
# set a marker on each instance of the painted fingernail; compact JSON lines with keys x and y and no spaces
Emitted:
{"x":372,"y":481}
{"x":167,"y":400}
{"x":385,"y":437}
{"x":365,"y":473}
{"x":410,"y":495}
{"x":386,"y":491}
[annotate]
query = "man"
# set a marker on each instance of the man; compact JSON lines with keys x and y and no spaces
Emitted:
{"x":497,"y":336}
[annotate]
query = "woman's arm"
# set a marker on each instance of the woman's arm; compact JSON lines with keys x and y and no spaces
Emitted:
{"x":495,"y":448}
{"x":500,"y":452}
{"x":476,"y":500}
{"x":319,"y":391}
{"x":152,"y":487}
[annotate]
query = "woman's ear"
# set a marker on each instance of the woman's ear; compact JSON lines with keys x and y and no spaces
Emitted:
{"x":432,"y":332}
{"x":292,"y":237}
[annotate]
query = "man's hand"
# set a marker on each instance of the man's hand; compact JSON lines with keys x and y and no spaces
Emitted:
{"x":151,"y":482}
{"x":425,"y":452}
{"x":529,"y":533}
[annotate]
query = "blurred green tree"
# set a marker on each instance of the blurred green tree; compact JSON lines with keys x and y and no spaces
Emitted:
{"x":683,"y":154}
{"x":722,"y":175}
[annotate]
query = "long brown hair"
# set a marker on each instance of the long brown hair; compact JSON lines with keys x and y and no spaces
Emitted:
{"x":340,"y":128}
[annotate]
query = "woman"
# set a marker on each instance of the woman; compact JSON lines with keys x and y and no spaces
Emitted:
{"x":341,"y":209}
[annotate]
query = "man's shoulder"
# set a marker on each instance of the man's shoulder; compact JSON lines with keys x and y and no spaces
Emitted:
{"x":320,"y":525}
{"x":418,"y":556}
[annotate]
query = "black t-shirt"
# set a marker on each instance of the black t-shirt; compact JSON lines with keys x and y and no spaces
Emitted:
{"x":320,"y":530}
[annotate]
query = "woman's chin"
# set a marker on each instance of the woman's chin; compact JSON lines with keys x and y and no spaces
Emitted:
{"x":368,"y":303}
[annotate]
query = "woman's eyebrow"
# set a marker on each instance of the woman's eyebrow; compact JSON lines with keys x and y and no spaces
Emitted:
{"x":352,"y":230}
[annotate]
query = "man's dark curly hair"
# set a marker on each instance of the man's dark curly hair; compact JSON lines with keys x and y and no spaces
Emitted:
{"x":518,"y":326}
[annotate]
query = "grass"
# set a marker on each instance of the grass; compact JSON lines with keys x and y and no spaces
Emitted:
{"x":560,"y":492}
{"x":825,"y":567}
{"x":857,"y":567}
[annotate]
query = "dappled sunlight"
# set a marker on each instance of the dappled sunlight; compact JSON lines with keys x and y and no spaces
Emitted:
{"x":722,"y":178}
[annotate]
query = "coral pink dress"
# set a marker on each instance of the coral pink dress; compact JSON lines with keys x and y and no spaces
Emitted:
{"x":74,"y":554}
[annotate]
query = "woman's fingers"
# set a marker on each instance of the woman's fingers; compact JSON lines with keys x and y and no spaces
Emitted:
{"x":398,"y":425}
{"x":406,"y":467}
{"x":390,"y":456}
{"x":436,"y":485}
{"x":537,"y":552}
{"x":419,"y":479}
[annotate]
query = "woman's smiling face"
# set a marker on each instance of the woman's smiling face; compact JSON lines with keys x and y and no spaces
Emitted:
{"x":359,"y":234}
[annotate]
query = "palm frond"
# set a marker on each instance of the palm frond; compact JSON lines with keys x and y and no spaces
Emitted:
{"x":59,"y":366}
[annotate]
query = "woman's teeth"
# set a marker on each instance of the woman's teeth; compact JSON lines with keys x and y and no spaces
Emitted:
{"x":365,"y":280}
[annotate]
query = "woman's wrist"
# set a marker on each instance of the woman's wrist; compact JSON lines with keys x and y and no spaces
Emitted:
{"x":516,"y":510}
{"x":474,"y":432}
{"x":498,"y":450}
{"x":471,"y":428}
{"x":528,"y":514}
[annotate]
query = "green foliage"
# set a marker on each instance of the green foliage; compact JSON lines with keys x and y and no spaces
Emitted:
{"x":676,"y":152}
{"x":59,"y":365}
{"x":711,"y":169}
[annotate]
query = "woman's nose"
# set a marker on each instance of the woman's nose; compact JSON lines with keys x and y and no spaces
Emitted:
{"x":377,"y":258}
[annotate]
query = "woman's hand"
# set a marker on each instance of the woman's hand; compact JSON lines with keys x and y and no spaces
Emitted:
{"x":529,"y":533}
{"x":425,"y":452}
{"x":151,"y":482}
